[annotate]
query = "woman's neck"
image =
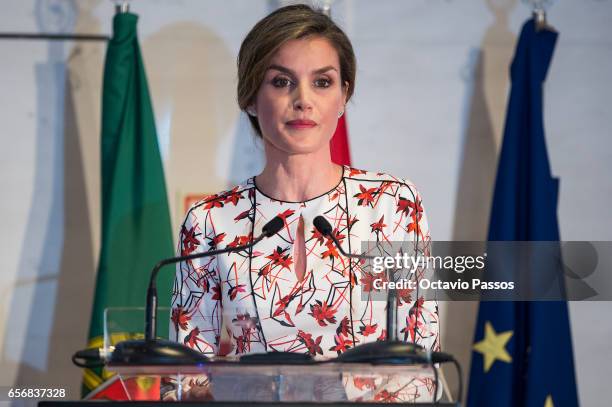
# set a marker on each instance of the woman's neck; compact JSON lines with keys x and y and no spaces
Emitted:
{"x":298,"y":177}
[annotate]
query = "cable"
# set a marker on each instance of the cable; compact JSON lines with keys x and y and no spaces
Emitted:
{"x":445,"y":388}
{"x":442,"y":357}
{"x":436,"y":384}
{"x":460,"y":380}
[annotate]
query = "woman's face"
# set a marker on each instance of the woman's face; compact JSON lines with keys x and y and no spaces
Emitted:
{"x":299,"y":100}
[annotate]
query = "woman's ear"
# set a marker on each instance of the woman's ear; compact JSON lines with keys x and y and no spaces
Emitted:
{"x":251,"y":110}
{"x":344,"y":95}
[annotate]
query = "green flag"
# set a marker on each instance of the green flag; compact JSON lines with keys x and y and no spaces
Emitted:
{"x":136,"y":230}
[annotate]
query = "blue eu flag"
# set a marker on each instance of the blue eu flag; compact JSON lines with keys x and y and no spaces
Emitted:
{"x":522,"y":353}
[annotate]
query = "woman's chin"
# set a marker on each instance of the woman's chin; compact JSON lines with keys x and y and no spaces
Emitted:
{"x":298,"y":145}
{"x":294,"y":149}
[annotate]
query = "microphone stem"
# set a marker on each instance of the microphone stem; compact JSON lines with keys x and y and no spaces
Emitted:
{"x":339,"y":246}
{"x":391,"y":315}
{"x":151,"y":307}
{"x":391,"y":293}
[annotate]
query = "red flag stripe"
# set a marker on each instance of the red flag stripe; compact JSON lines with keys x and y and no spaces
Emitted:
{"x":339,"y":144}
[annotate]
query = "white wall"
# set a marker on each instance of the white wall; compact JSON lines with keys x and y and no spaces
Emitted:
{"x":430,"y":103}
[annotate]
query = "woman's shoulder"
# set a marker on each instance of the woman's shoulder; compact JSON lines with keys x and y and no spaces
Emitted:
{"x":233,"y":198}
{"x":380,"y":177}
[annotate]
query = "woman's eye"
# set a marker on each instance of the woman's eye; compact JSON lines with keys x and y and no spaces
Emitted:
{"x":281,"y":82}
{"x":323,"y":83}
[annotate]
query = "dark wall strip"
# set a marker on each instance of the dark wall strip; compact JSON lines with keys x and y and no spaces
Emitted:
{"x":53,"y":37}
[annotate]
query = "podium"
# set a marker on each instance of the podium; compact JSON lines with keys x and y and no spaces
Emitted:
{"x":228,"y":381}
{"x":327,"y":382}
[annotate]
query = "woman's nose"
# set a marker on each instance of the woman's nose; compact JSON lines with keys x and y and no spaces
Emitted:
{"x":302,"y":100}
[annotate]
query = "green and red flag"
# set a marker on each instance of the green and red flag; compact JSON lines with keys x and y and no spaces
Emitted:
{"x":136,"y":227}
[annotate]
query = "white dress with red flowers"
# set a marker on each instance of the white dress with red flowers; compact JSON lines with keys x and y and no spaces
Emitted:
{"x":253,"y":301}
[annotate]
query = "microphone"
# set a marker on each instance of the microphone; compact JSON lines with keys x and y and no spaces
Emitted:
{"x":269,"y":229}
{"x":325,"y":228}
{"x":152,"y":351}
{"x":391,"y":350}
{"x":273,"y":227}
{"x":322,"y":225}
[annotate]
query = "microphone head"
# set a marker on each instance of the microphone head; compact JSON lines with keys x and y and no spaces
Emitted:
{"x":273,"y":227}
{"x":322,"y":225}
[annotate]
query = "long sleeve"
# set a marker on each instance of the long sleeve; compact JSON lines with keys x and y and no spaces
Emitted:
{"x":418,"y":319}
{"x":196,"y":298}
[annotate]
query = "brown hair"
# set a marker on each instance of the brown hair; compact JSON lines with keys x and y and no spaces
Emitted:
{"x":269,"y":34}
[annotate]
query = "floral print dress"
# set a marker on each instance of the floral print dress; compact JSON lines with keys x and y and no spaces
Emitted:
{"x":253,"y":300}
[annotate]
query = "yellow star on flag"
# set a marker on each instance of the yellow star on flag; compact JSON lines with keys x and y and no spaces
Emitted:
{"x":549,"y":402}
{"x":493,"y":346}
{"x":145,"y":382}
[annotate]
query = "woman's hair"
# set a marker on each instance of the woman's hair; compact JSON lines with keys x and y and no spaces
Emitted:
{"x":269,"y":34}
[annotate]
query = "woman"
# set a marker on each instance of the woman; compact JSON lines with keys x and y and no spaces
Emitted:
{"x":294,"y":291}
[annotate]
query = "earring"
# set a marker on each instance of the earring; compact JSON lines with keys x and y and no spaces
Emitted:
{"x":251,"y":112}
{"x":340,"y":113}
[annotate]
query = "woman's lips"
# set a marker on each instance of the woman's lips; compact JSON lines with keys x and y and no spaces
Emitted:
{"x":301,"y":124}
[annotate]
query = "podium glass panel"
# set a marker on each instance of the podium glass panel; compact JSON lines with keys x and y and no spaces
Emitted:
{"x":227,"y":380}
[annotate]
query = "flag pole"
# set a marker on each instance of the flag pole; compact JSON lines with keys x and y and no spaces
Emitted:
{"x":326,"y":7}
{"x":538,"y":10}
{"x":121,"y":6}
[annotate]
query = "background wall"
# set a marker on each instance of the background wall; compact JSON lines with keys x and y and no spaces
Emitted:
{"x":430,"y":104}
